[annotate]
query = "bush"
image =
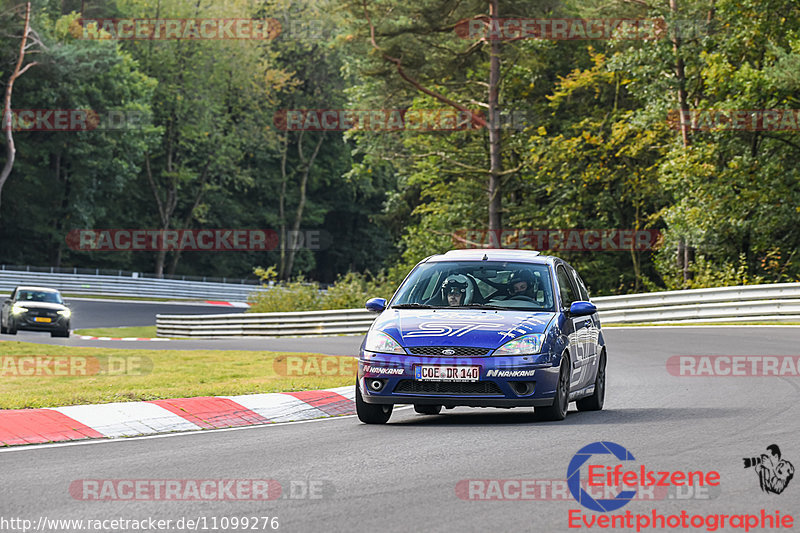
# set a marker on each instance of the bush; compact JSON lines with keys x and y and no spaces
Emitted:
{"x":350,"y":291}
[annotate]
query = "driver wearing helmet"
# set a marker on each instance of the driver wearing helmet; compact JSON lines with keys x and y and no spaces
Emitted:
{"x":456,"y":290}
{"x":521,"y":283}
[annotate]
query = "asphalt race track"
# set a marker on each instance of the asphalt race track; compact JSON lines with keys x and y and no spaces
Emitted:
{"x":90,"y":313}
{"x":403,"y":476}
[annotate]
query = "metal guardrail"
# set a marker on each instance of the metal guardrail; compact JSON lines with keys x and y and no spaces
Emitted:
{"x":304,"y":323}
{"x":780,"y":302}
{"x":125,"y":273}
{"x":128,"y":286}
{"x":775,"y":302}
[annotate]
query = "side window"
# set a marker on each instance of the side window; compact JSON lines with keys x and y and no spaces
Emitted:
{"x":581,"y":286}
{"x":565,"y":287}
{"x":14,"y":294}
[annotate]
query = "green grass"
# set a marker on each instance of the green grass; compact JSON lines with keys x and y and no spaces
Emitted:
{"x":142,"y":331}
{"x":157,"y":374}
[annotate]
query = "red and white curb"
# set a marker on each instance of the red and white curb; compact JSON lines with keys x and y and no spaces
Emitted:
{"x":131,"y":419}
{"x":90,"y":338}
{"x":228,"y":304}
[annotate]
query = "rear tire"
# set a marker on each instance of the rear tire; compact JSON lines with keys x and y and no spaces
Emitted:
{"x":595,"y":401}
{"x":428,"y":409}
{"x":372,"y":413}
{"x":558,"y":411}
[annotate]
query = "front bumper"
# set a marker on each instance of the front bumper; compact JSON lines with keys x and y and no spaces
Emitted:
{"x":27,"y":322}
{"x":510,"y":381}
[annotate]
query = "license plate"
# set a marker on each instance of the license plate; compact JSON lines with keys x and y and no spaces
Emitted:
{"x":42,"y":319}
{"x":446,"y":373}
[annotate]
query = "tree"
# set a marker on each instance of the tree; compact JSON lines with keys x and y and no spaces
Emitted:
{"x":7,"y":122}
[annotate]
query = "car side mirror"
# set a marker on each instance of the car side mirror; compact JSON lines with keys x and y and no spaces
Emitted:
{"x":376,"y":305}
{"x":582,"y":309}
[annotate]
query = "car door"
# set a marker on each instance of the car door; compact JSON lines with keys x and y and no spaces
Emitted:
{"x":577,"y":328}
{"x":592,"y":334}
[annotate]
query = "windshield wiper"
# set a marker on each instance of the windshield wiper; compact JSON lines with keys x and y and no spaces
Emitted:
{"x":482,"y":306}
{"x":412,"y":306}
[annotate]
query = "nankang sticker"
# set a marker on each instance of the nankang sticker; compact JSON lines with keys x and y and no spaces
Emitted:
{"x":382,"y":370}
{"x":510,"y":373}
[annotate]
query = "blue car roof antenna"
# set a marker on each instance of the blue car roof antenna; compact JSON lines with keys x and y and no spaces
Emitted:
{"x":485,"y":257}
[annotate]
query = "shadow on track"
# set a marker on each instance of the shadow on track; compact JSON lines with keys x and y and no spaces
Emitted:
{"x":605,"y":417}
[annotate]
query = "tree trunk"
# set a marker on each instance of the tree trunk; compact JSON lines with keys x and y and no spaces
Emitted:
{"x":187,"y":223}
{"x":165,"y":207}
{"x":683,"y":104}
{"x":301,"y":205}
{"x":680,"y":75}
{"x":635,"y":260}
{"x":688,"y":257}
{"x":495,"y":146}
{"x":11,"y":150}
{"x":282,"y":209}
{"x":60,"y":218}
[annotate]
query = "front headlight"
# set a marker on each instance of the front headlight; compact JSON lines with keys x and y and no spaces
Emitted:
{"x":524,"y":345}
{"x":378,"y":341}
{"x":66,"y":313}
{"x":18,"y":309}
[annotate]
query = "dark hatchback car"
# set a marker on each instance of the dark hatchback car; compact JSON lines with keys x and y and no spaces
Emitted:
{"x":35,"y":309}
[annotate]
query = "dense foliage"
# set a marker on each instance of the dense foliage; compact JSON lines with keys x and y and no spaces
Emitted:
{"x":588,"y":140}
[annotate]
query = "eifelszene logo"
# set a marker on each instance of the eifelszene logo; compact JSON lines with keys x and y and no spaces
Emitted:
{"x":774,"y":473}
{"x":619,"y":482}
{"x":574,"y":477}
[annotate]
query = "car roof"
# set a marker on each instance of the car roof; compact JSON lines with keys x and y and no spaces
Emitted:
{"x":493,"y":254}
{"x":39,"y":289}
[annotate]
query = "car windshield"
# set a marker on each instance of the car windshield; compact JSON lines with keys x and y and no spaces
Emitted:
{"x":477,"y":284}
{"x":39,"y":296}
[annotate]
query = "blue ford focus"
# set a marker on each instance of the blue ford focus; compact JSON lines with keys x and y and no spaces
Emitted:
{"x":483,"y":328}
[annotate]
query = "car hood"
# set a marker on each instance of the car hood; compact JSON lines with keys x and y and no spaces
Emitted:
{"x":460,"y":327}
{"x":42,"y":305}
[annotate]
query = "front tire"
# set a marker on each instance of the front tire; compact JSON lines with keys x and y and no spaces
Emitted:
{"x":372,"y":413}
{"x":12,"y":328}
{"x":558,"y":411}
{"x":428,"y":409}
{"x":595,"y":401}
